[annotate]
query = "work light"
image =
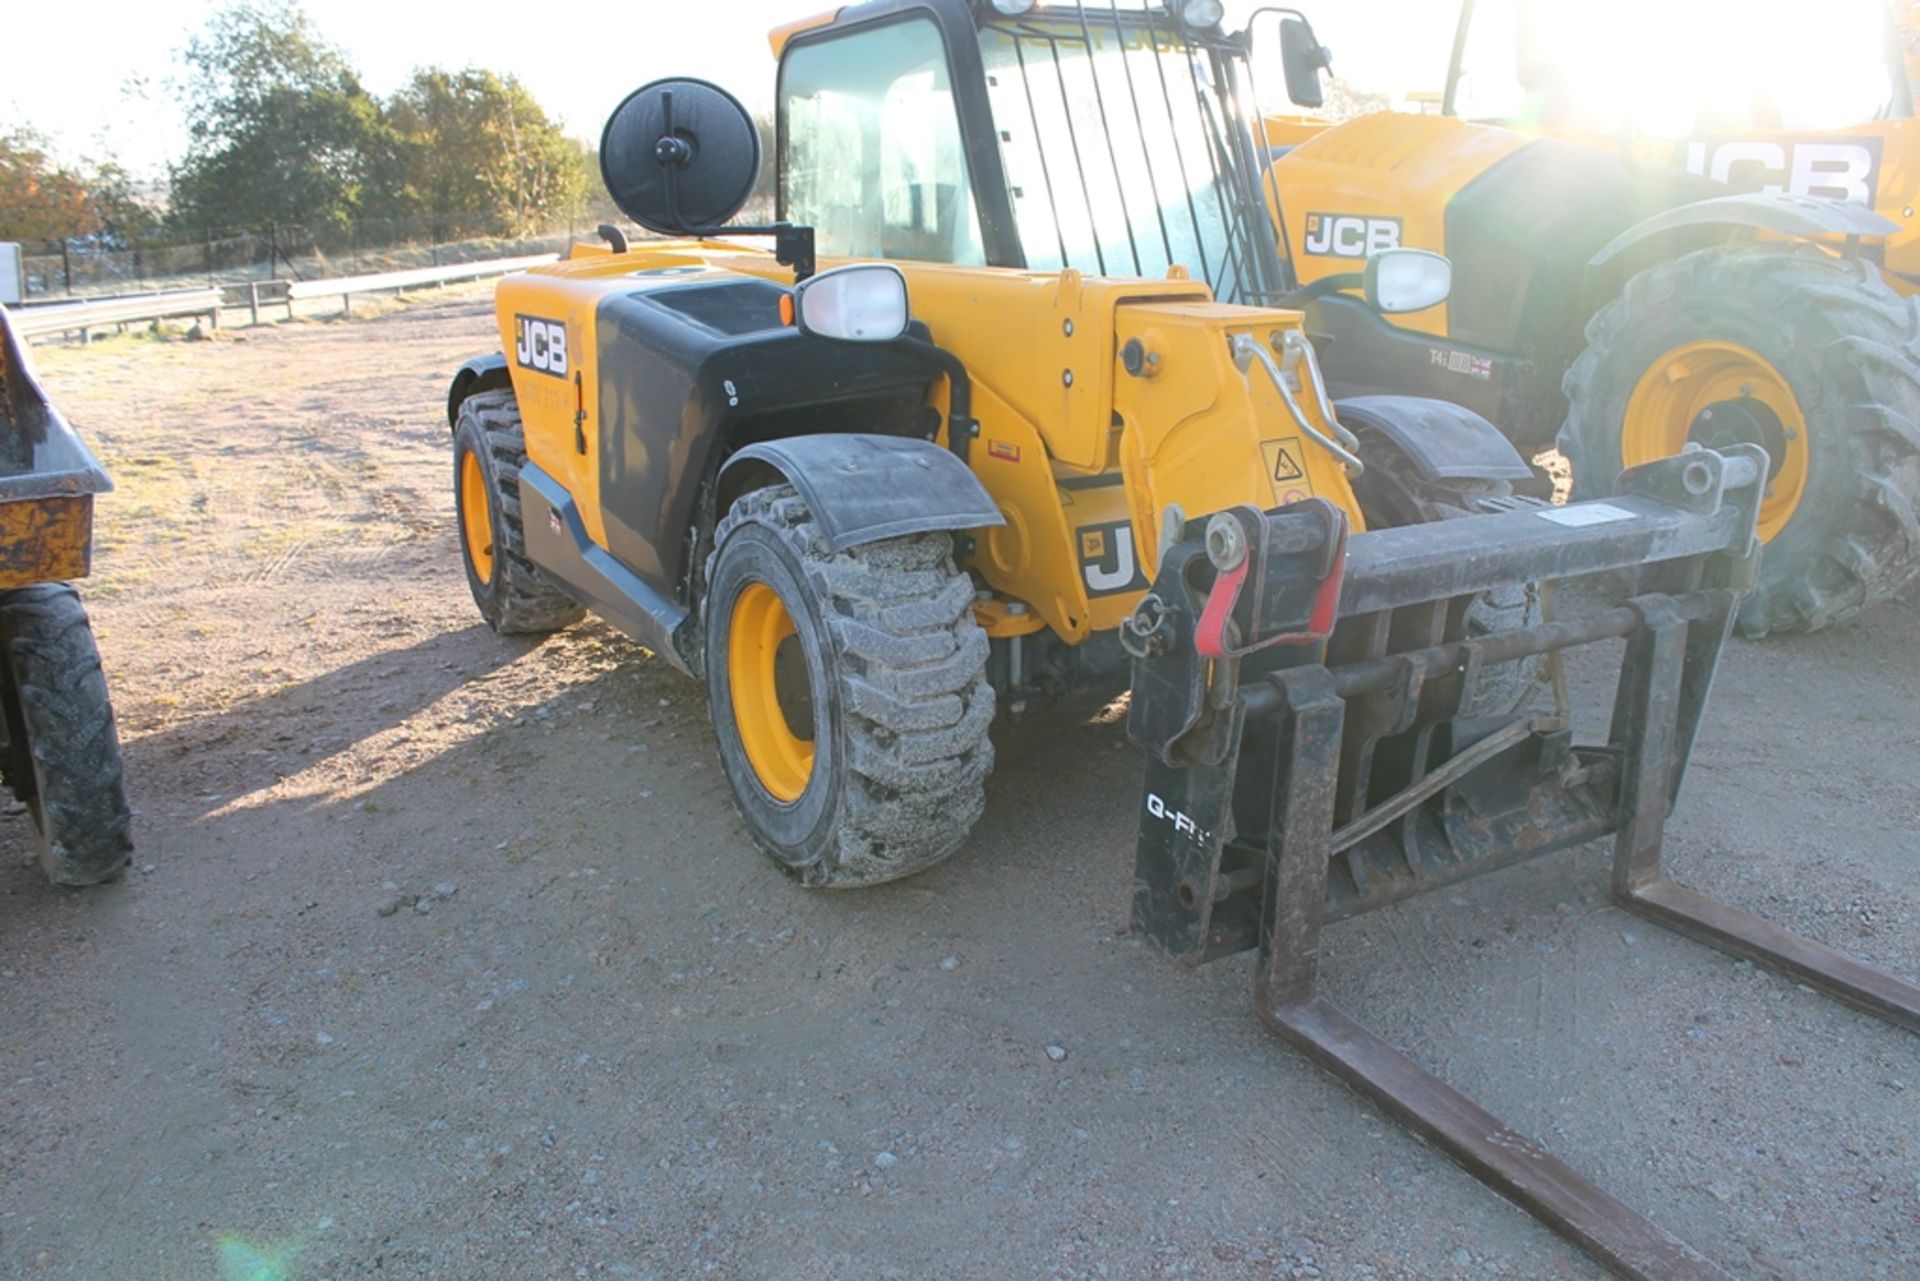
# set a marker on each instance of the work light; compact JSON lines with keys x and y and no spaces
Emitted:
{"x":1012,"y":8}
{"x":1199,"y":15}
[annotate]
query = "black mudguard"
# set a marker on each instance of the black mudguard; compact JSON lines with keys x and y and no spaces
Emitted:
{"x":1443,"y":441}
{"x":861,"y":488}
{"x":1777,"y":212}
{"x":482,"y":373}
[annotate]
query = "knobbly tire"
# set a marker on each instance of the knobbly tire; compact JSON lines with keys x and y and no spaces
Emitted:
{"x":62,"y":754}
{"x":896,"y":707}
{"x":1392,"y":495}
{"x":1849,"y":349}
{"x":513,"y":596}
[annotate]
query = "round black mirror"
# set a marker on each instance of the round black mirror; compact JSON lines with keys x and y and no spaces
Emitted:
{"x":680,"y":156}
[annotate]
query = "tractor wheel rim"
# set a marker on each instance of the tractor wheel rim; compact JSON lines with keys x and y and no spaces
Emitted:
{"x":1718,"y":393}
{"x":772,"y":692}
{"x":476,"y":518}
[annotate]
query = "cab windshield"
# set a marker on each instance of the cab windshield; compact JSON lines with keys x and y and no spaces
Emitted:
{"x":1678,"y":68}
{"x":1122,"y":154}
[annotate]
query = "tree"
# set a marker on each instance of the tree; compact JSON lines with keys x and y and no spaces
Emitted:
{"x":476,"y":152}
{"x":279,"y":127}
{"x":39,"y":198}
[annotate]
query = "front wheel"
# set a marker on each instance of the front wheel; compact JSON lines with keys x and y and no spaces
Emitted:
{"x":1810,"y":356}
{"x":61,"y":758}
{"x":848,"y":692}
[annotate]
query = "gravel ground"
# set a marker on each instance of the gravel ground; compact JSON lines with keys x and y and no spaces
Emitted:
{"x":445,"y":955}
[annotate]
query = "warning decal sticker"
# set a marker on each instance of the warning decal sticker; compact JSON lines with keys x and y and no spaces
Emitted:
{"x":1287,"y":470}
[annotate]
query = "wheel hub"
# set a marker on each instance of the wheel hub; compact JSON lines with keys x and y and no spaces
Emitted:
{"x":1742,"y":421}
{"x":476,"y":517}
{"x":1721,"y":394}
{"x":793,"y":688}
{"x":772,"y":692}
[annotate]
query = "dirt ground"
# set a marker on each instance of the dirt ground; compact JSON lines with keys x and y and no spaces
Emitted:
{"x":601,"y":1037}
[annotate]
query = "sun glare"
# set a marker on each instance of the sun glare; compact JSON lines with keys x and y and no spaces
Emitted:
{"x":1678,"y":68}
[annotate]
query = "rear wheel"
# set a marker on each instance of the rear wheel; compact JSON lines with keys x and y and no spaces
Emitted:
{"x":1809,"y":356}
{"x":62,"y":754}
{"x":489,"y":449}
{"x":848,"y":692}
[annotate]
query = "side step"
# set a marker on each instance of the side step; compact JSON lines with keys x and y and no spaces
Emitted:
{"x":1298,"y":775}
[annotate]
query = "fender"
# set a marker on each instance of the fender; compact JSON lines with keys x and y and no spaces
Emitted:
{"x":1442,"y":440}
{"x":1776,"y":212}
{"x":482,"y":373}
{"x":863,"y":488}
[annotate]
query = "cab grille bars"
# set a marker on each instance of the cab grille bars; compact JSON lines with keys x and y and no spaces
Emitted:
{"x":1310,"y":772}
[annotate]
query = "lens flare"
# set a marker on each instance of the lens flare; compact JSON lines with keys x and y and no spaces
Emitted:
{"x":1675,"y":68}
{"x":242,"y":1260}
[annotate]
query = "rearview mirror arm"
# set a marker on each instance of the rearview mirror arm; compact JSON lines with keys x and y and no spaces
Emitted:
{"x":1321,"y":288}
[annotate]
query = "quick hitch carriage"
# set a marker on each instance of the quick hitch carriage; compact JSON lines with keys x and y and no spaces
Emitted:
{"x":1312,"y":754}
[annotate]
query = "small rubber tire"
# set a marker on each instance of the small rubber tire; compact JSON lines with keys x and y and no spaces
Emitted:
{"x":900,"y":705}
{"x":513,"y":595}
{"x":62,"y":758}
{"x":1847,"y":346}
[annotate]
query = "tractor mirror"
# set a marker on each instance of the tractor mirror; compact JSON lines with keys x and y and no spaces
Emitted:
{"x":866,"y":302}
{"x":1403,"y":280}
{"x":1303,"y":58}
{"x":680,"y":156}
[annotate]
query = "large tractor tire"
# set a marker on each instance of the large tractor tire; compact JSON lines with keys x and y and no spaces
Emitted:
{"x":848,"y":692}
{"x":62,"y":754}
{"x":1810,"y":356}
{"x":489,"y":449}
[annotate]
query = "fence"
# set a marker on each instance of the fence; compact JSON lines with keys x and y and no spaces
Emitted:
{"x":89,"y":265}
{"x":83,"y":266}
{"x":81,"y":317}
{"x":86,"y":266}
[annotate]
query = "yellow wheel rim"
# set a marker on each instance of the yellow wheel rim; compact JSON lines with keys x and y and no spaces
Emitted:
{"x":772,"y":697}
{"x":1720,"y":394}
{"x":476,"y":517}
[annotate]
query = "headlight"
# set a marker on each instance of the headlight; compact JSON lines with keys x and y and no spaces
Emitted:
{"x":1012,"y":8}
{"x":1199,"y":15}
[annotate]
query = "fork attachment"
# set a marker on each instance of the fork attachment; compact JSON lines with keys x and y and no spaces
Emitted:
{"x":1307,"y":762}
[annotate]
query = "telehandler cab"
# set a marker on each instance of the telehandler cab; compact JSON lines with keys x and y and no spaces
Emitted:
{"x":992,"y":452}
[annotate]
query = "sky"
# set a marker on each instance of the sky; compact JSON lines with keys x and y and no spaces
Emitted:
{"x":579,"y":61}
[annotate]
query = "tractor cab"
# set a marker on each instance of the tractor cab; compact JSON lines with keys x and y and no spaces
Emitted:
{"x":1111,"y":141}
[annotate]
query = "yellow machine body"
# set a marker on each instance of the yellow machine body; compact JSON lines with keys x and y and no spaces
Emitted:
{"x":1082,"y":458}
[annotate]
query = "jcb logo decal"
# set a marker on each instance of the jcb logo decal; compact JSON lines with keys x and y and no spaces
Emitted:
{"x":1350,"y":235}
{"x":1107,"y":562}
{"x":540,"y":345}
{"x":1846,"y":169}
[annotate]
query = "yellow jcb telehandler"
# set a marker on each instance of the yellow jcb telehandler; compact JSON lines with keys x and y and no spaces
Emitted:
{"x":931,"y":445}
{"x":1669,"y":224}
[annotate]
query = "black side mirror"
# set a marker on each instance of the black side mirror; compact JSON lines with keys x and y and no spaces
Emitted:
{"x":680,"y":156}
{"x":1303,"y":58}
